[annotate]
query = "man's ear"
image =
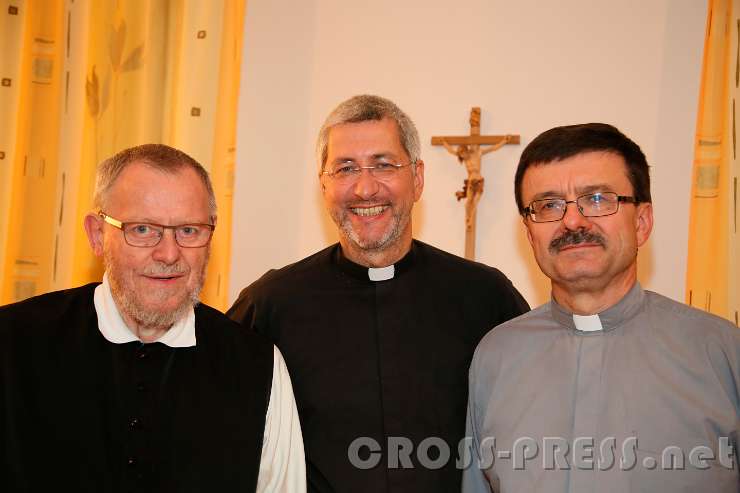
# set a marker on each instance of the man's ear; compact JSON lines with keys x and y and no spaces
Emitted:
{"x":418,"y":179}
{"x":526,"y":228}
{"x":643,"y":222}
{"x":321,"y":183}
{"x":94,"y":229}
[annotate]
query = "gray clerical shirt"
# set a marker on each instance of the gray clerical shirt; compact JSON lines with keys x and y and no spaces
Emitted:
{"x":641,"y":398}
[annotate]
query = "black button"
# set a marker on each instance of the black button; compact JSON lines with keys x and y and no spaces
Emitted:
{"x":142,"y":354}
{"x":141,"y":386}
{"x":134,"y":423}
{"x":131,"y":461}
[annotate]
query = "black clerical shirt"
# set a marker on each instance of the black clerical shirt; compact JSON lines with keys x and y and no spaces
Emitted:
{"x":382,"y":362}
{"x":82,"y":414}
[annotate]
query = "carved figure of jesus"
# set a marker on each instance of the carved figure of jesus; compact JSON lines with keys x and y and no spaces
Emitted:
{"x":468,"y":151}
{"x":470,"y":155}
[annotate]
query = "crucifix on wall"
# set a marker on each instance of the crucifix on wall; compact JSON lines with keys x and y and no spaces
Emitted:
{"x":468,"y":151}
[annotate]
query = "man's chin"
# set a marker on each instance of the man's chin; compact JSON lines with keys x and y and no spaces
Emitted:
{"x":167,"y":307}
{"x":579,"y":275}
{"x":159,"y":310}
{"x":159,"y":315}
{"x":371,"y":240}
{"x":371,"y":243}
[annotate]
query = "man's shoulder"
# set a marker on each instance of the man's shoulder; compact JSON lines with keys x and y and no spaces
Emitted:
{"x":304,"y":271}
{"x":685,"y":317}
{"x":49,"y":306}
{"x":513,"y":343}
{"x":278,"y":285}
{"x":210,"y":322}
{"x":456,"y":266}
{"x":42,"y":319}
{"x":516,"y":331}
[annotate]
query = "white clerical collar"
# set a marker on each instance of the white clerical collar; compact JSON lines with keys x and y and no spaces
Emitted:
{"x":115,"y":330}
{"x":587,"y":323}
{"x":381,"y":273}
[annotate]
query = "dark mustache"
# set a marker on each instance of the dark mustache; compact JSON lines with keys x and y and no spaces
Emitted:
{"x":574,"y":238}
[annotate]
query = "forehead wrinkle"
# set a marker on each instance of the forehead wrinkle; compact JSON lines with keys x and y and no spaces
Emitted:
{"x":599,"y":187}
{"x":373,"y":157}
{"x":154,"y":222}
{"x":178,"y":198}
{"x":578,"y":190}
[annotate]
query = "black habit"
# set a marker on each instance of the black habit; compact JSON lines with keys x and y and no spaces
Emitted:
{"x":379,"y":359}
{"x":82,"y":414}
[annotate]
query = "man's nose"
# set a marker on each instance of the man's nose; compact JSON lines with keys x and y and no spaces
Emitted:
{"x":573,"y":219}
{"x":167,"y":250}
{"x":366,"y":185}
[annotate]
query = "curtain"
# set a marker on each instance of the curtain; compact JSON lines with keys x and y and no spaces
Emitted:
{"x":713,"y":270}
{"x":88,"y":78}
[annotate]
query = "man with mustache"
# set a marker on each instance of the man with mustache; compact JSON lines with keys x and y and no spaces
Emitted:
{"x":608,"y":387}
{"x":131,"y":385}
{"x":378,"y":330}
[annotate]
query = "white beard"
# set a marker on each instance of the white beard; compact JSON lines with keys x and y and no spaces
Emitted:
{"x":130,"y":304}
{"x":388,"y":238}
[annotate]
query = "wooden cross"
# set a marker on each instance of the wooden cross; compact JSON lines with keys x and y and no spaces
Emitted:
{"x":469,"y":153}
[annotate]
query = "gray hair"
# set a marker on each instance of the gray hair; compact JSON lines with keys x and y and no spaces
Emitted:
{"x":364,"y":108}
{"x":160,"y":157}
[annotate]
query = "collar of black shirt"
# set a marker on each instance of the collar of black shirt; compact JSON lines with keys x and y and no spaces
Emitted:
{"x":360,"y":272}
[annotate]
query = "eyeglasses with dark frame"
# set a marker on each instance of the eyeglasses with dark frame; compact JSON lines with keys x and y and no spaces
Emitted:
{"x":145,"y":235}
{"x":589,"y":205}
{"x":348,"y":173}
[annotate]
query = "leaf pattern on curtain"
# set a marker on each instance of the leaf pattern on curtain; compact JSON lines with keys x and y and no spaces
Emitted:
{"x":132,"y":71}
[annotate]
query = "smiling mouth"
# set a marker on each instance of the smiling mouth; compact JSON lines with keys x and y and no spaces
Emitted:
{"x":164,"y":278}
{"x":369,"y":211}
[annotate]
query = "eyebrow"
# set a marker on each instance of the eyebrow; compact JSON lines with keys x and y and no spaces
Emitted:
{"x":551,"y":194}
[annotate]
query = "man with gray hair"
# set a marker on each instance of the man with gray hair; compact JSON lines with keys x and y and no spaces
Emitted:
{"x":379,"y":329}
{"x":131,"y":384}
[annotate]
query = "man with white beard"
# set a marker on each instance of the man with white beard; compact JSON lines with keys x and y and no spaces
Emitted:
{"x":378,"y":330}
{"x":132,"y":384}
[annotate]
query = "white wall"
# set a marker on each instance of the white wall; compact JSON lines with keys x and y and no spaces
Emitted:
{"x":530,"y":65}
